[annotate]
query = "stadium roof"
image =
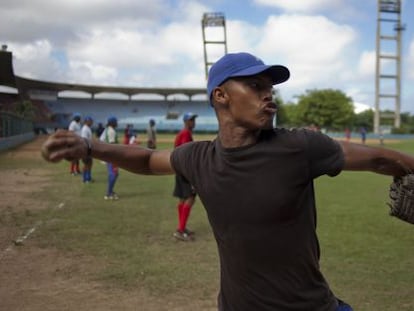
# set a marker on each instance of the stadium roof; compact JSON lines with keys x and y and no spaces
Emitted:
{"x":27,"y":86}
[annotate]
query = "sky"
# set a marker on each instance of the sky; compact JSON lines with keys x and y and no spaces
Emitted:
{"x":159,"y":43}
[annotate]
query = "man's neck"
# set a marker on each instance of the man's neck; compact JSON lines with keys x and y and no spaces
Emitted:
{"x":233,"y":137}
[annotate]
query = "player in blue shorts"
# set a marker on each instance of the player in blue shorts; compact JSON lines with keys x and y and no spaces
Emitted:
{"x":110,"y":136}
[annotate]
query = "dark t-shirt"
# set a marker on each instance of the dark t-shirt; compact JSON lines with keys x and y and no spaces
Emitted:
{"x":260,"y":203}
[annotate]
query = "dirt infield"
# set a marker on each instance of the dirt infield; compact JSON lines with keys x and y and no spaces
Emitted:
{"x":42,"y":279}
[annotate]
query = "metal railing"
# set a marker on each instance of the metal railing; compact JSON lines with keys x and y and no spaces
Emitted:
{"x":13,"y":125}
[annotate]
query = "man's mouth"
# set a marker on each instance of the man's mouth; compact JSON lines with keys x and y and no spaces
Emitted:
{"x":270,"y":108}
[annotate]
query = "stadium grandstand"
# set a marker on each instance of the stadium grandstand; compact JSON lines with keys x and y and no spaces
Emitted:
{"x":53,"y":104}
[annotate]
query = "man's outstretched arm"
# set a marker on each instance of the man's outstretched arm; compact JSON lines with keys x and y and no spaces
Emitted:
{"x":378,"y":160}
{"x":66,"y":145}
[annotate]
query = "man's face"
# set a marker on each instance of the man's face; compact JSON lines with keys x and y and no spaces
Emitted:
{"x":190,"y":124}
{"x":250,"y":101}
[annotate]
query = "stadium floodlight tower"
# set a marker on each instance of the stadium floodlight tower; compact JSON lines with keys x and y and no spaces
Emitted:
{"x":388,"y":61}
{"x":215,"y":39}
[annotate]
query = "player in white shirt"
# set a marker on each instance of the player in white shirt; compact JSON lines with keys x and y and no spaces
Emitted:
{"x":86,"y":133}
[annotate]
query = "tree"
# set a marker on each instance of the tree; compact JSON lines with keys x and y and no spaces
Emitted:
{"x":329,"y":109}
{"x":407,"y":124}
{"x":287,"y":115}
{"x":280,"y":116}
{"x":25,"y":109}
{"x":364,"y":119}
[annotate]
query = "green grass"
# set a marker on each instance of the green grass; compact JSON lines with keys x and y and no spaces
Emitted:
{"x":366,"y":255}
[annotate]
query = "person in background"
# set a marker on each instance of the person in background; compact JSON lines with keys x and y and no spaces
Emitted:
{"x":127,"y":134}
{"x":381,"y":137}
{"x":75,"y":126}
{"x":133,"y":140}
{"x":86,"y":132}
{"x":363,"y":132}
{"x":313,"y":127}
{"x":183,"y":190}
{"x":151,"y":135}
{"x":109,"y":136}
{"x":99,"y":130}
{"x":347,"y":134}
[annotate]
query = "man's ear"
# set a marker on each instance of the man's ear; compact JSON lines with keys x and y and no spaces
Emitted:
{"x":219,"y":95}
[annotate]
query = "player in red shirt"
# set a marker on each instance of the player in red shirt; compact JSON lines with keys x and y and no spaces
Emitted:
{"x":183,"y":190}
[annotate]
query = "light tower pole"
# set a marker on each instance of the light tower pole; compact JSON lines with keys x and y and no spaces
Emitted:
{"x":388,"y":61}
{"x":213,"y":20}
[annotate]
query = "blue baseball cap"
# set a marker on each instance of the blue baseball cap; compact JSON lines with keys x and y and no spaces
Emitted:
{"x":112,"y":120}
{"x":189,"y":116}
{"x":242,"y":65}
{"x":88,"y":118}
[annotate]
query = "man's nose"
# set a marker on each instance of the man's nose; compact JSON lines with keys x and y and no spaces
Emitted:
{"x":267,"y":93}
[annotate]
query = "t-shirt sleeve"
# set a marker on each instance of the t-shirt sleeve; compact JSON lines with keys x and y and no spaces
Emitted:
{"x":182,"y":160}
{"x":325,"y":154}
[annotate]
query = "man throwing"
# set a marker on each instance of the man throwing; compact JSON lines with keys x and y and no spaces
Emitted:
{"x":256,"y":183}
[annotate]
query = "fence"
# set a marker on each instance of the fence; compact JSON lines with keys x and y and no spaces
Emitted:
{"x":14,"y":130}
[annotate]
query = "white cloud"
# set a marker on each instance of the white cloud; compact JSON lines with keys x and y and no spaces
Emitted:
{"x":117,"y":47}
{"x":243,"y":36}
{"x":63,"y":20}
{"x":300,"y":5}
{"x":85,"y":72}
{"x":120,"y":43}
{"x":33,"y":60}
{"x":360,"y":107}
{"x":314,"y":48}
{"x":366,"y":65}
{"x":362,"y":92}
{"x":33,"y":52}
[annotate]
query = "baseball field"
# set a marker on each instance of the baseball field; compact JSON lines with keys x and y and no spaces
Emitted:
{"x":63,"y":247}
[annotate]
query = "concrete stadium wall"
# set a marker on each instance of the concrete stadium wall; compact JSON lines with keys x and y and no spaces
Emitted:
{"x":10,"y":142}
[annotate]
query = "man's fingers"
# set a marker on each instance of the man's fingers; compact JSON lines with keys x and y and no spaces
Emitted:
{"x":53,"y":151}
{"x":62,"y":145}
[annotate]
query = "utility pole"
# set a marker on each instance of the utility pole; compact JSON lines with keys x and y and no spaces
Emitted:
{"x":213,"y":20}
{"x":388,"y":61}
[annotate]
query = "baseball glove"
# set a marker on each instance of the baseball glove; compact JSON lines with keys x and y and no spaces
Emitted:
{"x":402,"y":198}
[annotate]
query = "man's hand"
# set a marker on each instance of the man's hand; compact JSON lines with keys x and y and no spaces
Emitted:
{"x":64,"y":145}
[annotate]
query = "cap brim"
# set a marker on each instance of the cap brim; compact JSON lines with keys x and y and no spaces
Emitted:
{"x":278,"y":73}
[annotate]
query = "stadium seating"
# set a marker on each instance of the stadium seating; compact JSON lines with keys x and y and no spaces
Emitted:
{"x":167,"y":114}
